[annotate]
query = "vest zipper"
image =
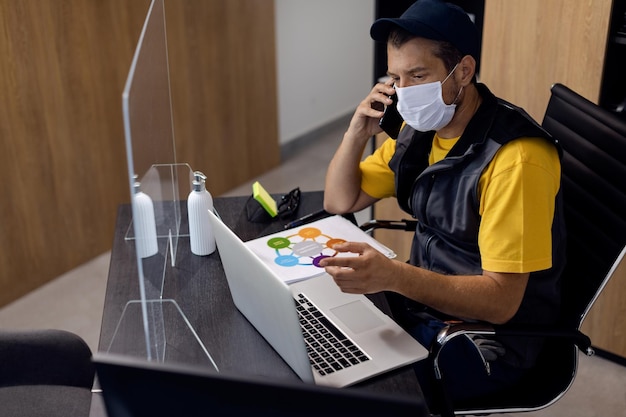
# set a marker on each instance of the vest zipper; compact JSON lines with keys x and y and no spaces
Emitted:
{"x":427,"y":246}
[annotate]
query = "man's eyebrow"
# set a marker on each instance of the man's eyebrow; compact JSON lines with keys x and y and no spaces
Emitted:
{"x":409,"y":71}
{"x":417,"y":69}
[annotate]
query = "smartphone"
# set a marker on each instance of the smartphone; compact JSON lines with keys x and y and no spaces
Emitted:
{"x":391,"y":122}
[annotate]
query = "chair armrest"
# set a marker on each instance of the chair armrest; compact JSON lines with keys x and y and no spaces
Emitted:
{"x":451,"y":331}
{"x":455,"y":330}
{"x":575,"y":336}
{"x":44,"y":357}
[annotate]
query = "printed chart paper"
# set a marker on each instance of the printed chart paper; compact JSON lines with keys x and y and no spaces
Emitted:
{"x":294,"y":254}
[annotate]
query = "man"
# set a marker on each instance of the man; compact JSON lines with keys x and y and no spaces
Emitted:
{"x":482,"y":179}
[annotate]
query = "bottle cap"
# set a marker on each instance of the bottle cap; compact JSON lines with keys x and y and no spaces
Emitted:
{"x":198,"y":181}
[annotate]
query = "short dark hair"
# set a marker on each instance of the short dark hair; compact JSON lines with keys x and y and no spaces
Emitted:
{"x":448,"y":53}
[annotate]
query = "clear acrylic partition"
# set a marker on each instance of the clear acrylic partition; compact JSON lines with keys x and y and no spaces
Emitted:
{"x":156,"y":183}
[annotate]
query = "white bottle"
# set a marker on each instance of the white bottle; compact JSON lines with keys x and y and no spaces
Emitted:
{"x":199,"y":203}
{"x":144,"y":223}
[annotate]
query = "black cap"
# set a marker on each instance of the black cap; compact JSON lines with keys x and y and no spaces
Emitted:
{"x":436,"y":20}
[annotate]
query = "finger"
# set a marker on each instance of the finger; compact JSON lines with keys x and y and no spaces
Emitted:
{"x":350,"y":287}
{"x":350,"y":290}
{"x":354,"y":247}
{"x":373,"y":113}
{"x":346,"y":282}
{"x":337,"y":262}
{"x":382,"y":86}
{"x":379,"y":97}
{"x":371,"y":108}
{"x":383,"y":97}
{"x":386,"y":88}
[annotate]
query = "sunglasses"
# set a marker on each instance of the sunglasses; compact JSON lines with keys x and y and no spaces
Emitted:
{"x":289,"y":204}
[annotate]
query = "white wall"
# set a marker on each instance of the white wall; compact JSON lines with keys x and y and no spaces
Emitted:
{"x":325,"y":61}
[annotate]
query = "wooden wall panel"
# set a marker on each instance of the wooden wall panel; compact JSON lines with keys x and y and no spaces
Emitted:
{"x":63,"y":163}
{"x":605,"y":324}
{"x":223,"y":76}
{"x":530,"y":45}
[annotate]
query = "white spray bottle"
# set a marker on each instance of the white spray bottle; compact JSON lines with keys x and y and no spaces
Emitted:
{"x":144,"y":223}
{"x":199,"y":203}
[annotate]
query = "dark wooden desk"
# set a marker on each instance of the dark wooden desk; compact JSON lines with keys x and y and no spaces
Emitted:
{"x":199,"y":287}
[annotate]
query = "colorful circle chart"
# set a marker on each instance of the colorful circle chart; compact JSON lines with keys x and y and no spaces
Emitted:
{"x":305,"y":248}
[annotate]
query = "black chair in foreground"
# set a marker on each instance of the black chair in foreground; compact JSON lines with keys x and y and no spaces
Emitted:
{"x":44,"y":373}
{"x":594,"y":193}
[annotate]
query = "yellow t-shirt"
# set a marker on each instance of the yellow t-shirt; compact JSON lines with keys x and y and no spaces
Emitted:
{"x":517,"y":196}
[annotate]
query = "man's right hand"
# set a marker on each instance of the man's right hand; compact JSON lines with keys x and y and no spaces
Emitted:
{"x":342,"y":192}
{"x":364,"y":123}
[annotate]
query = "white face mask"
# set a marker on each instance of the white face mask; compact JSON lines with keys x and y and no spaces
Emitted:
{"x":422,"y":106}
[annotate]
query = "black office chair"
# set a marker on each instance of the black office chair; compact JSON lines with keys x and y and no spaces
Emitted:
{"x":594,"y":192}
{"x":44,"y":373}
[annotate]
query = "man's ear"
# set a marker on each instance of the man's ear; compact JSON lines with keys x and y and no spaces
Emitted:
{"x":467,"y":68}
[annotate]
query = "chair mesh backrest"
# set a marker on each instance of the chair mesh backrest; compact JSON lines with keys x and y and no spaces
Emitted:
{"x":594,"y":193}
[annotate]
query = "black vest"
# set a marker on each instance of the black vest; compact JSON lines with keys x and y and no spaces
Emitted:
{"x":444,"y":198}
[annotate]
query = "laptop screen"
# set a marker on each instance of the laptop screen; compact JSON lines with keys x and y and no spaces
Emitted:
{"x":134,"y":387}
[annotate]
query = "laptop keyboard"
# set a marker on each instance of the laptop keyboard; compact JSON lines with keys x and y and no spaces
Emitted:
{"x":329,"y":348}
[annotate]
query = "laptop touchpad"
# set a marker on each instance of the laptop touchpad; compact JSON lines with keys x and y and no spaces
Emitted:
{"x":357,"y":316}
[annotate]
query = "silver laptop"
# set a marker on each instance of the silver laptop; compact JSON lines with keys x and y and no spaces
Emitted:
{"x":362,"y":341}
